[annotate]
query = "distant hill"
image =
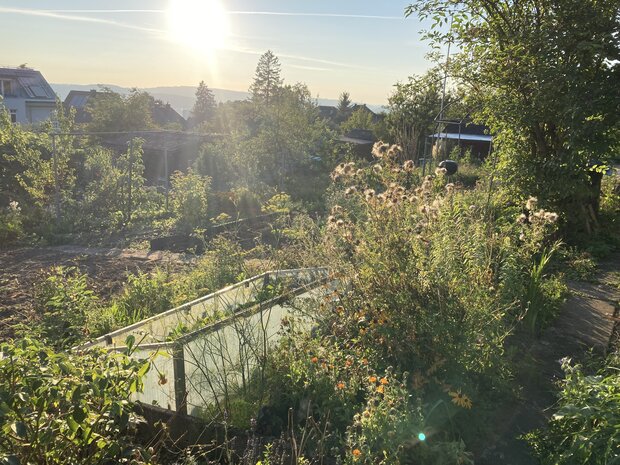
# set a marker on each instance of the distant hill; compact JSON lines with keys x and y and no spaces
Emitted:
{"x":181,"y":98}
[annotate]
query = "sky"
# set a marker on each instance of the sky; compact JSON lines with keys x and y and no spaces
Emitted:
{"x":360,"y":46}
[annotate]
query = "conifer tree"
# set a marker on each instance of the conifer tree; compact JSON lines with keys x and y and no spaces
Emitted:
{"x":205,"y":105}
{"x":267,"y":78}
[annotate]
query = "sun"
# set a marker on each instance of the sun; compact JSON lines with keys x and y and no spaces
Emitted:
{"x":199,"y":24}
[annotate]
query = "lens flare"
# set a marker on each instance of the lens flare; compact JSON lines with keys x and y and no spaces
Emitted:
{"x":422,"y":437}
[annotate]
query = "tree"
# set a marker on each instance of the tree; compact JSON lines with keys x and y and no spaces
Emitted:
{"x":111,"y":111}
{"x":205,"y":106}
{"x":359,"y":119}
{"x":544,"y":76}
{"x":413,"y":107}
{"x":267,"y":80}
{"x":344,"y":106}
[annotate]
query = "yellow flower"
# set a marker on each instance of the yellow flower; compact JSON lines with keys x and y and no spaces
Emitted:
{"x":364,"y":361}
{"x":380,"y":389}
{"x":460,"y":399}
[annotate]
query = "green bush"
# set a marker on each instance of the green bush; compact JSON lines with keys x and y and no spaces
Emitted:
{"x":59,"y":408}
{"x":584,"y":429}
{"x":11,"y":229}
{"x":63,"y":302}
{"x":144,"y":295}
{"x":189,"y":200}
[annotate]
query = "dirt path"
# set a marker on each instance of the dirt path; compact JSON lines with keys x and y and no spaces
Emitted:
{"x":585,"y":324}
{"x":107,"y":270}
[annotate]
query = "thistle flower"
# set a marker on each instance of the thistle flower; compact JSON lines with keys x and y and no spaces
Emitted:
{"x":336,"y":209}
{"x":340,"y":223}
{"x":427,"y":186}
{"x":450,"y":188}
{"x":531,"y":203}
{"x":350,"y":191}
{"x":377,"y":169}
{"x":369,"y":193}
{"x":380,"y":149}
{"x":331,"y":219}
{"x":522,"y":219}
{"x":551,"y":217}
{"x":408,"y":165}
{"x":441,"y":171}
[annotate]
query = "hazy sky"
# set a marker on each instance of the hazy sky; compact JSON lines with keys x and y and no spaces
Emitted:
{"x":361,"y":46}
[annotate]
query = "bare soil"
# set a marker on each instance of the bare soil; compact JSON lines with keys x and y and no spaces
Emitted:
{"x":107,"y":270}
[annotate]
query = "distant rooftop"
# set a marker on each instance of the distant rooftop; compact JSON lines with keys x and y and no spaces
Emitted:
{"x":30,"y":84}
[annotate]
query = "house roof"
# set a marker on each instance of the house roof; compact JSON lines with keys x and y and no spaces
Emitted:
{"x":358,"y":137}
{"x":457,"y":136}
{"x":31,"y":84}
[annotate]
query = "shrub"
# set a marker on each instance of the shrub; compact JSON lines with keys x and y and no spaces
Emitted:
{"x":584,"y":430}
{"x":63,"y":301}
{"x":188,"y":200}
{"x":144,"y":295}
{"x":11,"y":228}
{"x":58,"y":408}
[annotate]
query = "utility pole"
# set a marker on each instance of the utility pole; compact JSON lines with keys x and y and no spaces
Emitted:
{"x":130,"y":181}
{"x":55,"y":129}
{"x":166,"y":176}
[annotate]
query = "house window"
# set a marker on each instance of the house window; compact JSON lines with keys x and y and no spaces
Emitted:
{"x":5,"y":87}
{"x":13,"y":116}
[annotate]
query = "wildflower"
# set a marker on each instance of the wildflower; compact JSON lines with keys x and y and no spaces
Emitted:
{"x":369,"y":194}
{"x":331,"y":219}
{"x":394,"y":151}
{"x":336,"y":209}
{"x":427,"y":186}
{"x":423,"y":209}
{"x":372,"y":379}
{"x":377,"y":169}
{"x":314,"y":359}
{"x":441,"y":171}
{"x":408,"y":165}
{"x":339,"y":309}
{"x":522,"y":219}
{"x":381,"y":389}
{"x":356,"y":453}
{"x":340,"y":223}
{"x":460,"y":399}
{"x":14,"y":206}
{"x":349,"y":168}
{"x":348,"y":362}
{"x":384,"y":381}
{"x":359,"y":172}
{"x":380,"y":149}
{"x":396,"y":170}
{"x":350,"y":191}
{"x":450,"y":188}
{"x":341,"y":385}
{"x":366,"y":414}
{"x":531,"y":203}
{"x":551,"y":217}
{"x":364,"y":361}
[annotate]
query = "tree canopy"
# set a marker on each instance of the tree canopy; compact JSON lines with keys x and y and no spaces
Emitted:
{"x":205,"y":105}
{"x":267,"y":78}
{"x":543,"y":74}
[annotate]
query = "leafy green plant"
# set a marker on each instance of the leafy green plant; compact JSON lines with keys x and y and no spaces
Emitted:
{"x":189,"y":201}
{"x":144,"y":295}
{"x":11,"y":224}
{"x":584,"y":429}
{"x":58,"y":408}
{"x":63,"y":301}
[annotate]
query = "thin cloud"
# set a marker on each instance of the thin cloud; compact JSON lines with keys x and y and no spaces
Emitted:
{"x":73,"y":17}
{"x":316,"y":15}
{"x":310,"y":68}
{"x":233,"y":12}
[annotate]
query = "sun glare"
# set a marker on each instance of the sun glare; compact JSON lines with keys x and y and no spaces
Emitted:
{"x":199,"y":24}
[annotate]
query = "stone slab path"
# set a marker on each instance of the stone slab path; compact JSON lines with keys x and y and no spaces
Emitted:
{"x":585,"y":325}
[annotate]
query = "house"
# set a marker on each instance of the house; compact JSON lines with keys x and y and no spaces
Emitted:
{"x":26,"y":95}
{"x":360,"y":141}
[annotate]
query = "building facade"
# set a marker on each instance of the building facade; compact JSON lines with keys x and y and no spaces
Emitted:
{"x":26,"y":95}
